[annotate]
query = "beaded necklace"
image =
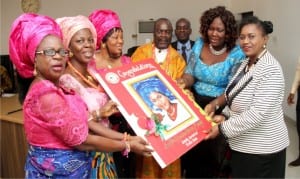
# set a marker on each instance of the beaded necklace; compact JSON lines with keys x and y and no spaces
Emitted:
{"x":216,"y":52}
{"x":88,"y":79}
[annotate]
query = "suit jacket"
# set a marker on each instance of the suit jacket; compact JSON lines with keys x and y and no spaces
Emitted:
{"x":174,"y":44}
{"x":188,"y":54}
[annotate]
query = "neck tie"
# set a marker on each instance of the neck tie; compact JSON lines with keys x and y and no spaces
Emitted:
{"x":183,"y":52}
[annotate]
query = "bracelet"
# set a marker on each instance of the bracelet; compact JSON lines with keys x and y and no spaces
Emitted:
{"x":127,"y":145}
{"x":126,"y":150}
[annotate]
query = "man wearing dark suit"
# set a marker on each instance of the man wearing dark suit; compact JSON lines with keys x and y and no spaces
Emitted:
{"x":183,"y":44}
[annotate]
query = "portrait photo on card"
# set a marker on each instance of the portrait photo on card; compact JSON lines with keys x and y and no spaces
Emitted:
{"x":167,"y":113}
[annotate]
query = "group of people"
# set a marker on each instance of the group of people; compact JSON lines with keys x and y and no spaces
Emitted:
{"x":75,"y":130}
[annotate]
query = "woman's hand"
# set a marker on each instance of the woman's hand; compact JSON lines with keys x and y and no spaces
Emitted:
{"x":108,"y":109}
{"x":290,"y":99}
{"x":212,"y":133}
{"x":139,"y":146}
{"x":218,"y":119}
{"x":181,"y":82}
{"x":190,"y":94}
{"x":210,"y":109}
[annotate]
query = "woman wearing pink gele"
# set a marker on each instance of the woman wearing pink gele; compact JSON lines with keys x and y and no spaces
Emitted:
{"x":55,"y":118}
{"x":109,"y":55}
{"x":109,"y":40}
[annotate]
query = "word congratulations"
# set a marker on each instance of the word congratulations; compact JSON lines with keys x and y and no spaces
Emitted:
{"x":134,"y":69}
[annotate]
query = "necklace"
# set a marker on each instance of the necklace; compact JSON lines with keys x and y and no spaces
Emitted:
{"x":248,"y":66}
{"x":216,"y":52}
{"x":88,"y":80}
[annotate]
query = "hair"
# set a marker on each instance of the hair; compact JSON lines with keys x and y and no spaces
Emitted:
{"x":160,"y":20}
{"x":265,"y":26}
{"x":110,"y":32}
{"x":183,"y":20}
{"x":228,"y":20}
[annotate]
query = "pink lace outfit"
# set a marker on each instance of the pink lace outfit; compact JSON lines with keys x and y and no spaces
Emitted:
{"x":102,"y":161}
{"x":93,"y":98}
{"x":92,"y":64}
{"x":53,"y":117}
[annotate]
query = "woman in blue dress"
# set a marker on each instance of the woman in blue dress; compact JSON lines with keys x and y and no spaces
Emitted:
{"x":213,"y":62}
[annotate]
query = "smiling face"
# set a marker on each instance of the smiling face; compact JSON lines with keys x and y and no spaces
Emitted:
{"x":50,"y":67}
{"x":252,"y":40}
{"x":162,"y":34}
{"x":115,"y":43}
{"x":82,"y":46}
{"x":216,"y":33}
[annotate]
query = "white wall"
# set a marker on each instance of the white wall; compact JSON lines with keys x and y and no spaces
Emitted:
{"x":284,"y":41}
{"x":130,"y":12}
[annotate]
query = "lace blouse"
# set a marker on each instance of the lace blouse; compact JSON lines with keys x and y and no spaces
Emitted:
{"x":93,"y":98}
{"x":53,"y":117}
{"x":211,"y":80}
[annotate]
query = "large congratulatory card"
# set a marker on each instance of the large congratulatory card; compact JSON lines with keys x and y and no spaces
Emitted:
{"x":156,"y":108}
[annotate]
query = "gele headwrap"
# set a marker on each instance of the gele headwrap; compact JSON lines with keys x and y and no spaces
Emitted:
{"x":104,"y":20}
{"x":71,"y":25}
{"x":27,"y":32}
{"x":152,"y":84}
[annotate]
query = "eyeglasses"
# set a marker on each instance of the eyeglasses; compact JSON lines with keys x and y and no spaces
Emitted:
{"x":52,"y":52}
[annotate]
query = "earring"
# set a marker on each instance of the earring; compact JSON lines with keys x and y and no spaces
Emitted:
{"x":34,"y":71}
{"x":103,"y":45}
{"x":265,"y":46}
{"x":71,"y":54}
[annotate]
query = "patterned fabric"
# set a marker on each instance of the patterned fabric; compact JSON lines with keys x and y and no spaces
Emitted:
{"x":57,"y":163}
{"x":92,"y":97}
{"x":119,"y":124}
{"x":54,"y":121}
{"x":92,"y":64}
{"x":174,"y":65}
{"x":54,"y":118}
{"x":103,"y":166}
{"x":211,"y":80}
{"x":256,"y":121}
